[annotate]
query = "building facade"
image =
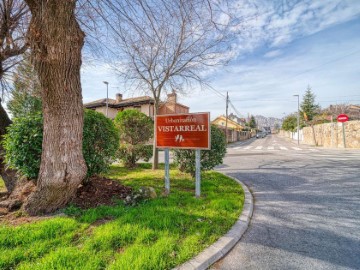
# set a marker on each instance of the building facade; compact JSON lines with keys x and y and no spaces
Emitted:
{"x":144,"y":104}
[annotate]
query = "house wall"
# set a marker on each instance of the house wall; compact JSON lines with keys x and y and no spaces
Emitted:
{"x":222,"y":123}
{"x":111,"y":111}
{"x":147,"y":109}
{"x":234,"y":135}
{"x":172,"y":108}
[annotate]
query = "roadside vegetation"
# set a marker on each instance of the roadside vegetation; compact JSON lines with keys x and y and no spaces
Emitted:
{"x":156,"y":233}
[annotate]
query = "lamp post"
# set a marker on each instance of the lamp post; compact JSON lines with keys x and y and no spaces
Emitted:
{"x":107,"y":97}
{"x":298,"y":120}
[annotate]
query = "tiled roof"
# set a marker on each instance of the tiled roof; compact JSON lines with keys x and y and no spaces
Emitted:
{"x":122,"y":103}
{"x":182,"y":105}
{"x":99,"y":103}
{"x":133,"y":101}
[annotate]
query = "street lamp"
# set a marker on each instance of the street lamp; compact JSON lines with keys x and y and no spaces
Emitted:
{"x":298,"y":120}
{"x":107,"y":97}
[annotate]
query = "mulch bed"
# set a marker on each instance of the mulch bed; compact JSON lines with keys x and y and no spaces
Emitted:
{"x":100,"y":191}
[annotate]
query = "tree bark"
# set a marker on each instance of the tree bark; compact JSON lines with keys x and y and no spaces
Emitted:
{"x":56,"y":41}
{"x":155,"y":164}
{"x":8,"y":175}
{"x":314,"y":136}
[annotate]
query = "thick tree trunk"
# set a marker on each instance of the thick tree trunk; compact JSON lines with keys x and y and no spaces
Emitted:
{"x":56,"y":41}
{"x":8,"y":175}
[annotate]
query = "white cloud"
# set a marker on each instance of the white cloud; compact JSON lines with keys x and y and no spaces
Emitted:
{"x":280,"y":22}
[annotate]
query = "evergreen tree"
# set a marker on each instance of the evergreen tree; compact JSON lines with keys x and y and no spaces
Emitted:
{"x":309,"y":109}
{"x":252,"y":123}
{"x":25,"y":98}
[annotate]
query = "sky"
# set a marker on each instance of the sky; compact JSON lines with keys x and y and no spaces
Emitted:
{"x":286,"y":46}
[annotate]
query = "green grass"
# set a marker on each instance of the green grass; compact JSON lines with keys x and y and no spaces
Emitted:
{"x":2,"y":185}
{"x":156,"y":234}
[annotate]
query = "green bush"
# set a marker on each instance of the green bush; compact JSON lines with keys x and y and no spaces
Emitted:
{"x":23,"y":143}
{"x":185,"y":159}
{"x":135,"y":129}
{"x":100,"y":142}
{"x":130,"y":154}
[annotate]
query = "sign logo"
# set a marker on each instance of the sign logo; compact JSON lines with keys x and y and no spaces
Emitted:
{"x":184,"y":131}
{"x":179,"y":138}
{"x":342,"y":118}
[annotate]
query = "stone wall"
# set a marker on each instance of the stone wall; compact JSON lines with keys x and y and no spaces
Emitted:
{"x":331,"y":135}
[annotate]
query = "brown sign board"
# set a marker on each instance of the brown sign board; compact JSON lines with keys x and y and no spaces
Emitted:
{"x":184,"y":131}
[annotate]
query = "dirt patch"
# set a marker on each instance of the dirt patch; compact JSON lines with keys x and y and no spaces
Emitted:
{"x":100,"y":191}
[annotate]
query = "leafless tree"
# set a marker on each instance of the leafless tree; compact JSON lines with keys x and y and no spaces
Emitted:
{"x":14,"y":18}
{"x":162,"y":46}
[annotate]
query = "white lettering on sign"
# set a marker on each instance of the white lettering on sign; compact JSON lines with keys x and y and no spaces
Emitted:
{"x":186,"y":120}
{"x":190,"y":128}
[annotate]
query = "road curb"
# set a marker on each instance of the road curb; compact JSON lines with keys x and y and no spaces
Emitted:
{"x":221,"y":247}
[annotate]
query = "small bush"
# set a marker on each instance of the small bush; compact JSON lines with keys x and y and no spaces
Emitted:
{"x":23,"y":143}
{"x":129,"y":154}
{"x":100,"y":142}
{"x":135,"y":129}
{"x":185,"y":159}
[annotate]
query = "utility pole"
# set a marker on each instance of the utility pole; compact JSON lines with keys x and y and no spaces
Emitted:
{"x":226,"y":120}
{"x":107,"y":97}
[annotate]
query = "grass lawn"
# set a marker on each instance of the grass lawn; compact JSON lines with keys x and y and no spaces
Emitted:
{"x":2,"y":185}
{"x":157,"y":234}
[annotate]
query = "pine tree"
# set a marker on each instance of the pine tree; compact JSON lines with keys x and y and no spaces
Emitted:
{"x":309,"y":109}
{"x":252,"y":123}
{"x":26,"y":96}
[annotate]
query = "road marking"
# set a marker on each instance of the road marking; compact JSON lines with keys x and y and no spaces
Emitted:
{"x":283,"y":148}
{"x":247,"y":147}
{"x":270,"y":148}
{"x":237,"y":147}
{"x":258,"y":148}
{"x":296,"y":148}
{"x":314,"y":150}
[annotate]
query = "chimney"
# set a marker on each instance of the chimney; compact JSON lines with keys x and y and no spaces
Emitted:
{"x":118,"y":97}
{"x":172,"y":97}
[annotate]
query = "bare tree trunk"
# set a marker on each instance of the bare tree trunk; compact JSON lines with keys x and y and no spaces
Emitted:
{"x":155,"y":163}
{"x":8,"y":175}
{"x":314,"y":136}
{"x":56,"y":41}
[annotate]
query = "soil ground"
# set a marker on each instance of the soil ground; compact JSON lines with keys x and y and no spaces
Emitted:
{"x":99,"y":191}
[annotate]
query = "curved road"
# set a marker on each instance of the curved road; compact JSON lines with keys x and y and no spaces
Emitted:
{"x":307,"y":206}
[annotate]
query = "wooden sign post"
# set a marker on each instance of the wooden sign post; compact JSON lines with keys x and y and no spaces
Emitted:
{"x":183,"y":131}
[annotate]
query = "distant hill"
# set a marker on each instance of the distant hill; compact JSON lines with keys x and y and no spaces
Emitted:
{"x":263,"y":121}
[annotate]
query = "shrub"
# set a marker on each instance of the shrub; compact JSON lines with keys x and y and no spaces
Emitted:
{"x":135,"y":129}
{"x":23,"y":143}
{"x":130,"y":154}
{"x":100,"y":142}
{"x":185,"y":159}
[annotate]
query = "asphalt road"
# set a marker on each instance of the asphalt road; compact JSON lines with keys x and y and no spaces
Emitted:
{"x":307,"y":206}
